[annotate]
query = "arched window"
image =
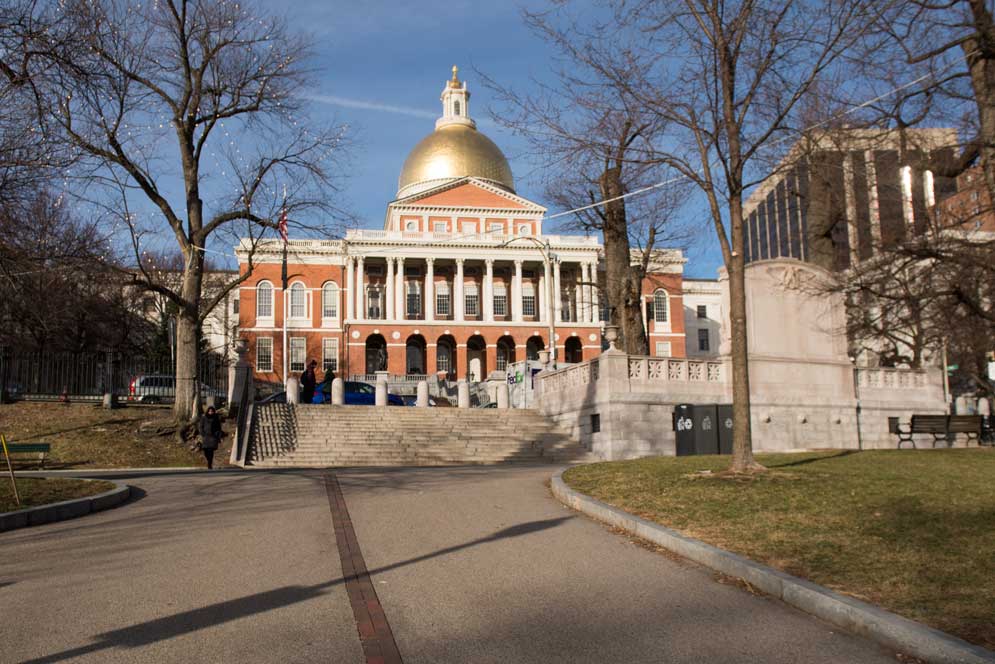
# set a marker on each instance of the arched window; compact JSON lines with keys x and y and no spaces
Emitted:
{"x":330,"y":300}
{"x":661,"y":306}
{"x":264,"y":300}
{"x":456,"y":107}
{"x":298,"y":301}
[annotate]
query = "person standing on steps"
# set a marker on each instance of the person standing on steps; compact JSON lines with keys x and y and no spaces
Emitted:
{"x":210,"y":434}
{"x":308,"y":382}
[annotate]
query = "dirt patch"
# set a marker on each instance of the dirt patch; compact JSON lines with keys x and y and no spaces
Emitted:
{"x":89,"y":436}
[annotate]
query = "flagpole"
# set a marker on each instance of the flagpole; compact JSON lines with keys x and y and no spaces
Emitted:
{"x":285,"y":233}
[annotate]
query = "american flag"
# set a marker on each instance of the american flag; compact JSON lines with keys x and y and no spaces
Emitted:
{"x":282,"y":226}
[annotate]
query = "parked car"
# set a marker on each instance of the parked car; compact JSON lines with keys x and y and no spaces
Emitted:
{"x":157,"y":388}
{"x":356,"y":394}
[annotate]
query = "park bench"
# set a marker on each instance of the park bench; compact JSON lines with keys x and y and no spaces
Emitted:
{"x":941,"y":427}
{"x":41,"y":449}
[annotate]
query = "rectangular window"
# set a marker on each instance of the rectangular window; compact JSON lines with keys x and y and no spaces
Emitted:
{"x":471,"y":306}
{"x":495,"y":227}
{"x":330,"y":354}
{"x":264,"y":354}
{"x":298,"y":353}
{"x":529,"y":305}
{"x":414,"y":300}
{"x":373,"y":303}
{"x":439,"y":226}
{"x":703,"y":340}
{"x":500,"y":300}
{"x":442,"y":300}
{"x":528,"y":300}
{"x":663,"y":349}
{"x":702,"y":311}
{"x":234,"y":306}
{"x":470,"y":227}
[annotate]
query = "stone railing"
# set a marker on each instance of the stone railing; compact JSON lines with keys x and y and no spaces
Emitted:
{"x":572,"y":376}
{"x":663,"y":369}
{"x":897,"y":379}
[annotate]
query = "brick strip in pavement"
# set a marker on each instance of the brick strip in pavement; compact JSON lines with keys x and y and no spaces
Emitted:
{"x":375,"y":634}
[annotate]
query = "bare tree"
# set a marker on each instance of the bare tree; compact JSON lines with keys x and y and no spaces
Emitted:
{"x":195,"y":95}
{"x":597,"y":146}
{"x":726,"y":79}
{"x":57,"y":292}
{"x":949,"y":47}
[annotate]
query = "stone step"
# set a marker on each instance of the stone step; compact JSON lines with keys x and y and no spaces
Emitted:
{"x":324,"y":436}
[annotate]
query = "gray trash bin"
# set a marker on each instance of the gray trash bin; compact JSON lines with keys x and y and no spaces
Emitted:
{"x":684,"y":428}
{"x":706,"y":429}
{"x":725,"y":428}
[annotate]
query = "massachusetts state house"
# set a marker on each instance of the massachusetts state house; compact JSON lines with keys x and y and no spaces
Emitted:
{"x":461,"y":281}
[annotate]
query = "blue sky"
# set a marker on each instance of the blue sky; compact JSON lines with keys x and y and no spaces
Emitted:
{"x":383,"y":65}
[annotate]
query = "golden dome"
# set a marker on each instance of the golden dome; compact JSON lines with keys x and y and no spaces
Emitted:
{"x":453,"y":151}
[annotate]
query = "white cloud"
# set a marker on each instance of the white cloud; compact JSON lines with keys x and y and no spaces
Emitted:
{"x":346,"y":102}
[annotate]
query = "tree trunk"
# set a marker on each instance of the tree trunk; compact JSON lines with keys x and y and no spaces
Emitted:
{"x":624,"y":303}
{"x":742,"y":436}
{"x":979,"y":52}
{"x":186,"y":407}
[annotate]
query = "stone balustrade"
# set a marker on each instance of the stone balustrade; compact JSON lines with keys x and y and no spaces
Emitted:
{"x":900,"y":379}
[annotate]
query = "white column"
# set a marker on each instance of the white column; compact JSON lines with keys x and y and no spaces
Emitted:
{"x":360,"y":290}
{"x":429,"y":289}
{"x":350,"y":289}
{"x":389,"y":294}
{"x":516,"y":293}
{"x":399,"y":300}
{"x":458,"y":299}
{"x":578,"y":295}
{"x":585,"y":294}
{"x":595,"y":301}
{"x":557,"y":293}
{"x":541,"y":297}
{"x":489,"y":291}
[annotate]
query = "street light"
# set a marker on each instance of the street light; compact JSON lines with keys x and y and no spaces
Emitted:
{"x":547,"y":258}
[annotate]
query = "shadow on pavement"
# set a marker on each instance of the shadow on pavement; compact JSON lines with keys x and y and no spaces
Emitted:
{"x":161,"y":629}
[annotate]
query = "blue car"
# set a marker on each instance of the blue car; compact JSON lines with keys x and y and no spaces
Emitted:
{"x":356,"y":394}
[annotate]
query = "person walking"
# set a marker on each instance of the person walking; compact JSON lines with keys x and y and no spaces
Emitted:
{"x":308,"y":382}
{"x":210,"y":434}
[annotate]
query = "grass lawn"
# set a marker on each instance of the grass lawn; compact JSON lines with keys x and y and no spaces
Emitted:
{"x":912,"y":531}
{"x":85,"y":435}
{"x":35,"y":492}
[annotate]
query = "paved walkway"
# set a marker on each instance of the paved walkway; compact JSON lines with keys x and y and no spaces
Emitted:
{"x":468,"y":564}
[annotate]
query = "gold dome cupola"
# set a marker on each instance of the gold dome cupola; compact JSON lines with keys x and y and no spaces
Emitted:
{"x":454,"y":150}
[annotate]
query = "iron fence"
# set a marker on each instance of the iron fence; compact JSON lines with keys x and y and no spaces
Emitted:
{"x":41,"y":376}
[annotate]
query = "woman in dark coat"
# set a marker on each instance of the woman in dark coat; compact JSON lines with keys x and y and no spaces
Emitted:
{"x":210,"y":434}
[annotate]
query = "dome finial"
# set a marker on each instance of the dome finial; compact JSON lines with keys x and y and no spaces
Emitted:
{"x":454,"y":83}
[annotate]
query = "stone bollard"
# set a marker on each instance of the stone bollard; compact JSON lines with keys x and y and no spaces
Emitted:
{"x":422,"y":400}
{"x":338,"y":392}
{"x":381,"y":398}
{"x":961,"y":406}
{"x":463,"y":394}
{"x":293,"y":390}
{"x":502,"y":395}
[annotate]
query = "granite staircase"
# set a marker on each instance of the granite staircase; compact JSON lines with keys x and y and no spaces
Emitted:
{"x":318,"y":436}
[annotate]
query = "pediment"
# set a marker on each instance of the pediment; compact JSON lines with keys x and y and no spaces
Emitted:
{"x":469,"y":192}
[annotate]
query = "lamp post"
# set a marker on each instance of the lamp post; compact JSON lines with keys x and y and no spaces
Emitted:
{"x":547,"y":258}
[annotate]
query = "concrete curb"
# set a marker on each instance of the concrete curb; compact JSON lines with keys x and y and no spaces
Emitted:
{"x":889,"y":629}
{"x":67,"y":509}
